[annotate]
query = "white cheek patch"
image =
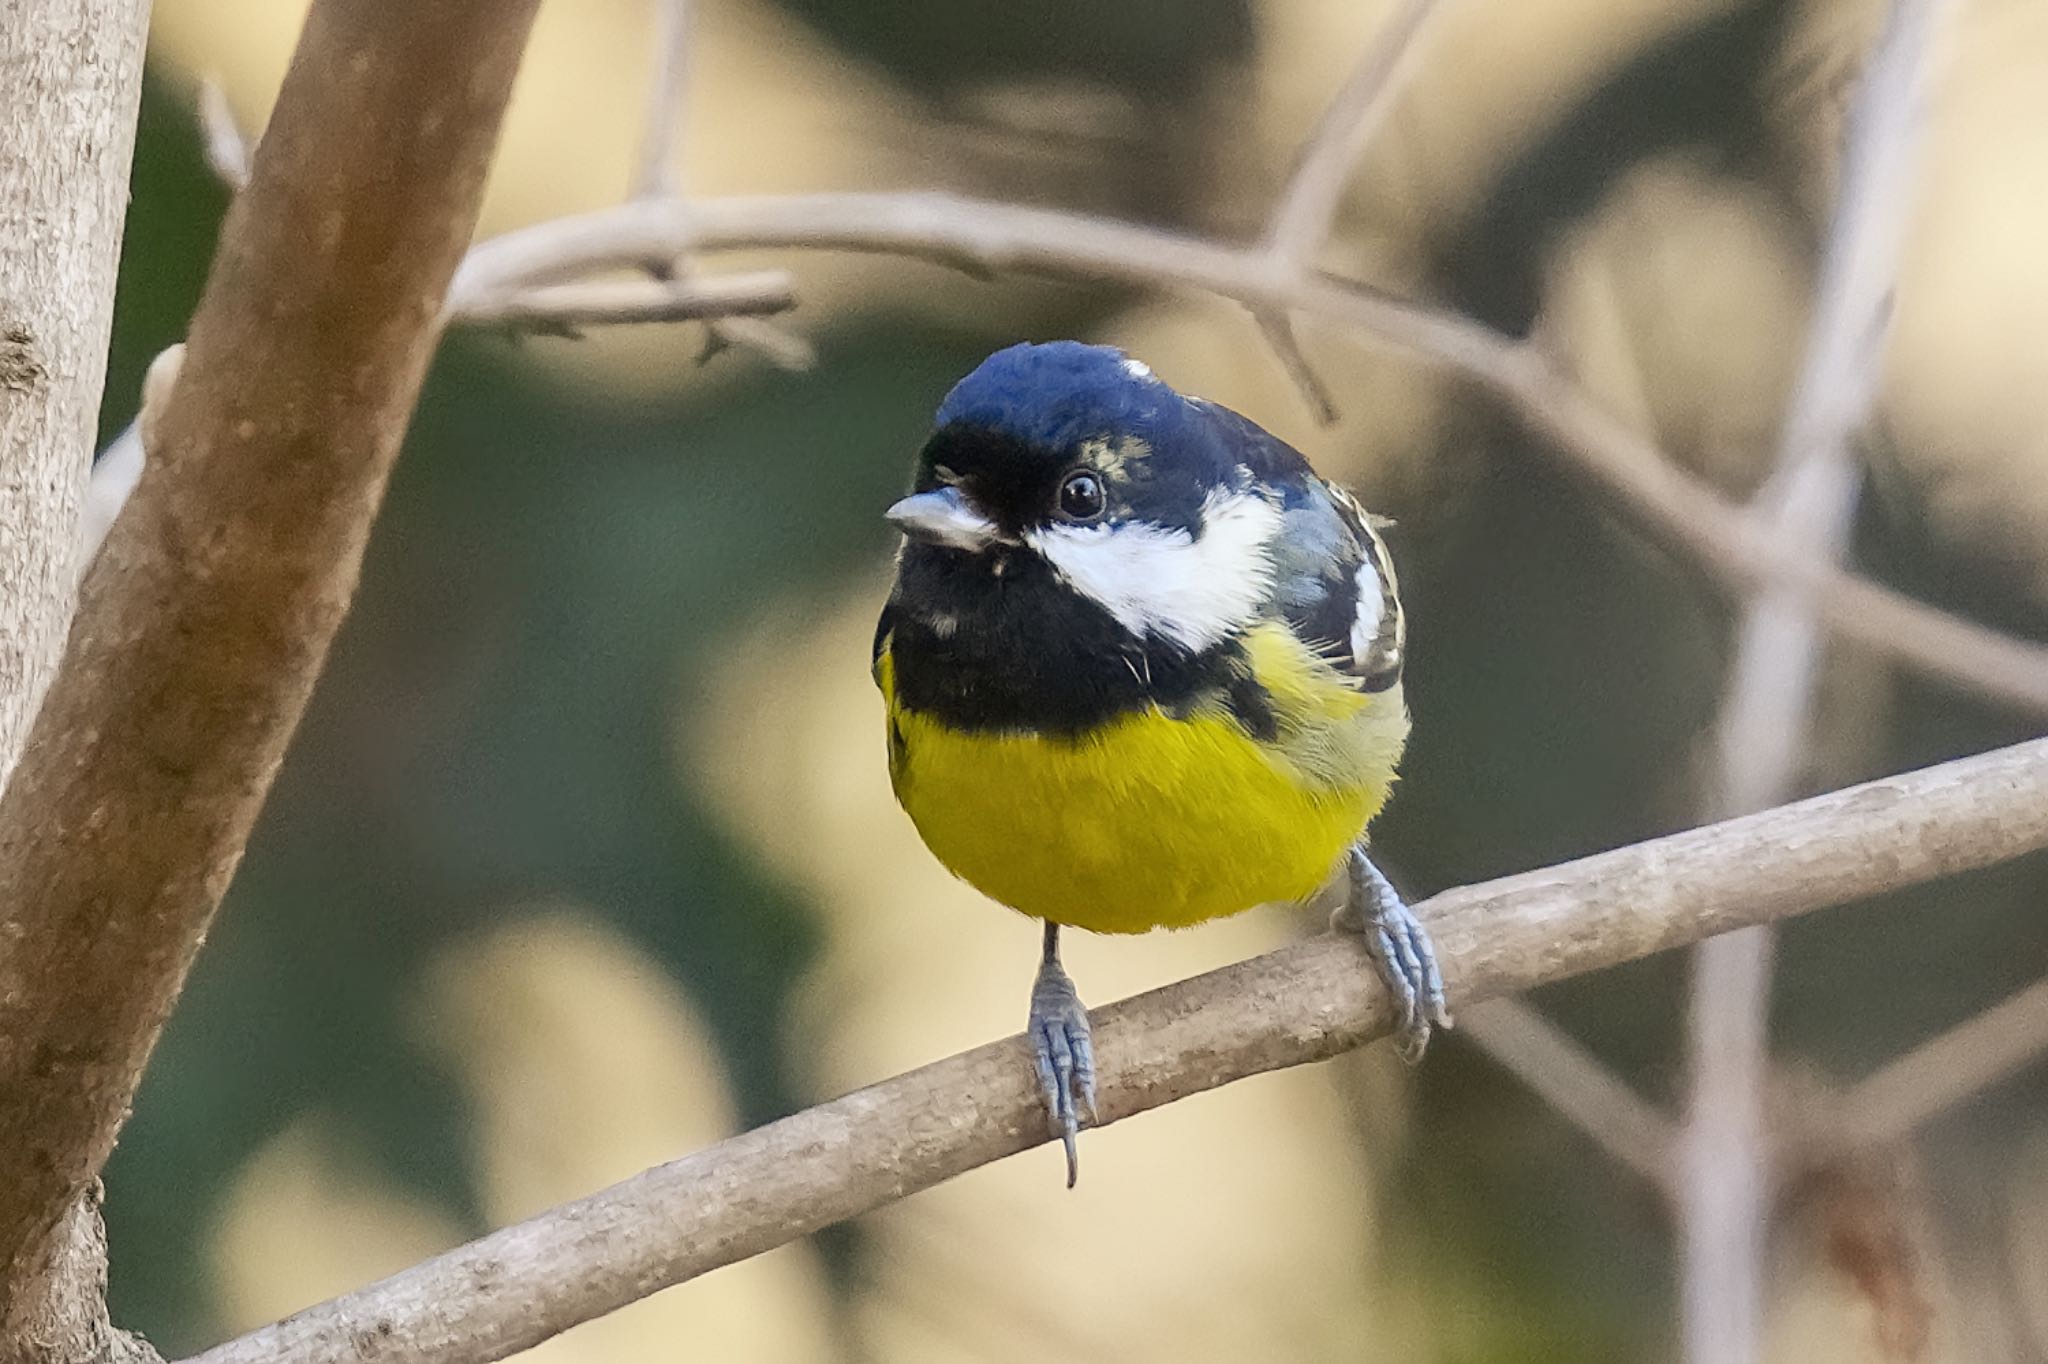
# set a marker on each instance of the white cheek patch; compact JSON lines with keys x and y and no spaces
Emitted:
{"x":1166,"y":583}
{"x":1372,"y":608}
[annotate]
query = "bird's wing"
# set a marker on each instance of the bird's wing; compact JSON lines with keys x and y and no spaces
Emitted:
{"x":1335,"y":583}
{"x":1334,"y":579}
{"x":1379,"y":630}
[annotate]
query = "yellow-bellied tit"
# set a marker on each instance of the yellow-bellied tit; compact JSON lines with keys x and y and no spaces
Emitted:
{"x":1142,"y":668}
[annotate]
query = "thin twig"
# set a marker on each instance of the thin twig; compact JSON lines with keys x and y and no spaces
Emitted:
{"x":568,"y":306}
{"x":519,"y":1286}
{"x":1685,"y":511}
{"x":1278,"y":329}
{"x":658,"y":174}
{"x":1575,"y":1083}
{"x":1885,"y":1107}
{"x":1808,"y":502}
{"x":613,"y":302}
{"x":1307,"y":208}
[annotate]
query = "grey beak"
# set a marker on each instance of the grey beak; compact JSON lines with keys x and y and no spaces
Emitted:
{"x":942,"y":517}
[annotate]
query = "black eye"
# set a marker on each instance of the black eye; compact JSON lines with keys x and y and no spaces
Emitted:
{"x":1081,"y":496}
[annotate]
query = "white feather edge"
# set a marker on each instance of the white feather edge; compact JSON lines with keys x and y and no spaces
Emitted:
{"x":1164,"y":582}
{"x":1372,"y":609}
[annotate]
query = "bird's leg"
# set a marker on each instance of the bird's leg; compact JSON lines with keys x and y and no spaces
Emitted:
{"x":1065,"y":1048}
{"x":1399,"y":945}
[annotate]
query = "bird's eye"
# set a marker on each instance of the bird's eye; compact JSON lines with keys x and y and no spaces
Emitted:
{"x":1081,"y":496}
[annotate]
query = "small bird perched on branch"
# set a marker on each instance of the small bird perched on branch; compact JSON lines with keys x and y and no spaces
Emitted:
{"x":1142,"y":669}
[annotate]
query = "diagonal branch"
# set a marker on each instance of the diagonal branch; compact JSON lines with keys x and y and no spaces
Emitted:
{"x":656,"y":173}
{"x":1886,"y":1105}
{"x":1307,"y":209}
{"x":211,"y":608}
{"x":519,"y":1286}
{"x":1684,"y":511}
{"x":1761,"y":738}
{"x":1575,"y":1083}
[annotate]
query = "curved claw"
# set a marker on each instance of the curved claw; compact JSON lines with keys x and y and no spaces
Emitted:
{"x":1064,"y":1047}
{"x":1401,"y":948}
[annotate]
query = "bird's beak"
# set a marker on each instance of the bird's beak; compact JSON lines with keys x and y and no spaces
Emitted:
{"x":942,"y":517}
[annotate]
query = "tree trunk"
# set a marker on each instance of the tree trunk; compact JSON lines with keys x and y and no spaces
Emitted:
{"x":70,"y":79}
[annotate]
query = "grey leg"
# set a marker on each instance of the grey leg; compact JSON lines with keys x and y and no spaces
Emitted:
{"x":1401,"y":948}
{"x":1065,"y":1047}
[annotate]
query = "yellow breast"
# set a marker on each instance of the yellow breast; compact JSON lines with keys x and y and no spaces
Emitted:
{"x":1154,"y":820}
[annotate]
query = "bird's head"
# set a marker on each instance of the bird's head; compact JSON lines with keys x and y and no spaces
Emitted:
{"x":1074,"y":468}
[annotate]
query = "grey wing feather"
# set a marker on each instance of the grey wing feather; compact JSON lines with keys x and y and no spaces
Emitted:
{"x":1326,"y":539}
{"x":1335,"y":584}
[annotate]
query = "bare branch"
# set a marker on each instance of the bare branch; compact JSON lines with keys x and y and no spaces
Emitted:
{"x":212,"y":605}
{"x":1810,"y":497}
{"x":1942,"y":1072}
{"x":1278,"y":329}
{"x":1574,"y":1082}
{"x":1685,"y":511}
{"x":658,"y":174}
{"x":1723,"y":1182}
{"x":1808,"y":503}
{"x":779,"y":347}
{"x":615,"y":302}
{"x":519,"y":1286}
{"x":1307,"y":209}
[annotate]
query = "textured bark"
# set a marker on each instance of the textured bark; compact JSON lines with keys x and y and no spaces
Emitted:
{"x":516,"y":1287}
{"x":71,"y":73}
{"x":208,"y":614}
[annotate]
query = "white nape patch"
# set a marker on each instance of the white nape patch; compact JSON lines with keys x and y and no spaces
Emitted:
{"x":1372,"y":608}
{"x":1194,"y":591}
{"x":1137,"y":369}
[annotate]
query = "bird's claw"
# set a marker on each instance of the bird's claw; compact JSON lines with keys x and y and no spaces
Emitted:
{"x":1401,"y":948}
{"x":1064,"y":1046}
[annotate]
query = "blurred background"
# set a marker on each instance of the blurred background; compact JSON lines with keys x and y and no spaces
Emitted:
{"x":584,"y":856}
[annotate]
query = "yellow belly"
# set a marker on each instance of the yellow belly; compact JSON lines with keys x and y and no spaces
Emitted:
{"x":1153,"y":821}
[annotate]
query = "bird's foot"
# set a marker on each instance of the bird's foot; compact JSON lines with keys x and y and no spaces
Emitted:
{"x":1400,"y":947}
{"x":1065,"y":1048}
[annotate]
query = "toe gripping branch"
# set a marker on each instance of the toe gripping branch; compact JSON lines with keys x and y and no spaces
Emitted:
{"x":1065,"y":1047}
{"x":1400,"y":947}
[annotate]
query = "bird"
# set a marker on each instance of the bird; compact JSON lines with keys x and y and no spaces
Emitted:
{"x":1141,"y":668}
